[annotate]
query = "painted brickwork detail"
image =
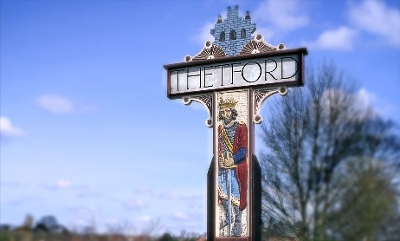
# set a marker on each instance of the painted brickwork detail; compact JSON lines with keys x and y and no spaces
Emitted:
{"x":232,"y":33}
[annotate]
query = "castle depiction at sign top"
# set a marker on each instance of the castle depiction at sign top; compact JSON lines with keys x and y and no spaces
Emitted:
{"x":232,"y":77}
{"x":235,"y":60}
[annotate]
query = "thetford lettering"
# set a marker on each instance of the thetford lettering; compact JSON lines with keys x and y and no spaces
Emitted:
{"x":231,"y":74}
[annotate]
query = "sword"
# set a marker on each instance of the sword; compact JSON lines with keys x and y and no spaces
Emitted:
{"x":229,"y":181}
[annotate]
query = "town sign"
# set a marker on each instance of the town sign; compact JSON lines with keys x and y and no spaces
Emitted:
{"x":232,"y":76}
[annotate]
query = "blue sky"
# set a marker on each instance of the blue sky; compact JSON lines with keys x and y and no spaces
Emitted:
{"x":87,"y":132}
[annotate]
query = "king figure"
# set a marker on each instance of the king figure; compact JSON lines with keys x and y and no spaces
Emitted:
{"x":232,"y":167}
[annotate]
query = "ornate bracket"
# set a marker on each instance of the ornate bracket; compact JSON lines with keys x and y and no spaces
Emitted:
{"x":206,"y":100}
{"x":260,"y":95}
{"x":209,"y":51}
{"x":258,"y":45}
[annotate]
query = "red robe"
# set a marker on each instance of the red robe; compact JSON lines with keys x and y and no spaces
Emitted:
{"x":240,"y":141}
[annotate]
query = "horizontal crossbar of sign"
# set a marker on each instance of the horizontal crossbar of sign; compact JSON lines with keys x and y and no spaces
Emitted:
{"x":278,"y":68}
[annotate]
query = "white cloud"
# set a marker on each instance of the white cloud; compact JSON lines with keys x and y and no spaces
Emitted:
{"x":180,"y":215}
{"x":89,"y":212}
{"x":9,"y":202}
{"x":365,"y":104}
{"x":88,"y":194}
{"x":144,"y":218}
{"x":134,"y":203}
{"x":281,"y":15}
{"x":63,"y":184}
{"x":341,"y":38}
{"x":377,"y":18}
{"x":270,"y":16}
{"x":143,"y":190}
{"x":178,"y":196}
{"x":55,"y":104}
{"x":61,"y":105}
{"x":8,"y":129}
{"x":11,"y":184}
{"x":18,"y":200}
{"x":377,"y":105}
{"x":365,"y":98}
{"x":204,"y":34}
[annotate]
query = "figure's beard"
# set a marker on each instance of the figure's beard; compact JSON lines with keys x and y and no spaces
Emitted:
{"x":227,"y":120}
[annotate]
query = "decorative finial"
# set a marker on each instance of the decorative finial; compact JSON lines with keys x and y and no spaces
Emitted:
{"x":219,"y":19}
{"x":247,"y":16}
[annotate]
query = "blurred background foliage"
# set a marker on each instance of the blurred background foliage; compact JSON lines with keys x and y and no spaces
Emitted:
{"x":330,"y":164}
{"x":48,"y":229}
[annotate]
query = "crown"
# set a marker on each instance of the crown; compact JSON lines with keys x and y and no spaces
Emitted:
{"x":228,"y":103}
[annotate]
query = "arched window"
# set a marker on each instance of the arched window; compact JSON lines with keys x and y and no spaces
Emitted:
{"x":222,"y":37}
{"x":232,"y":35}
{"x":243,"y":33}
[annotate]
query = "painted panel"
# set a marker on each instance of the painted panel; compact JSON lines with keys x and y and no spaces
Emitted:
{"x":232,"y":149}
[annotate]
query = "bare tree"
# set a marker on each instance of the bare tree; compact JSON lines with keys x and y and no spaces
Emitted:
{"x":309,"y":133}
{"x":366,"y":202}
